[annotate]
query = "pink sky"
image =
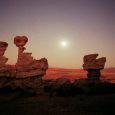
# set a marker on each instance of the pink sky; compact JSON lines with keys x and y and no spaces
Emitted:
{"x":88,"y":26}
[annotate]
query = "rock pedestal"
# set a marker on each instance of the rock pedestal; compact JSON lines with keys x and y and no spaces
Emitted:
{"x":93,"y":74}
{"x":26,"y":65}
{"x":20,"y":42}
{"x":93,"y":66}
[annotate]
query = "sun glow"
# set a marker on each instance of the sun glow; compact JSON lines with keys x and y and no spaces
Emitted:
{"x":63,"y":43}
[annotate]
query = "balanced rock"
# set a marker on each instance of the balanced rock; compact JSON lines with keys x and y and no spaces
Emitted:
{"x":90,"y":62}
{"x":20,"y":41}
{"x":93,"y":65}
{"x":26,"y":65}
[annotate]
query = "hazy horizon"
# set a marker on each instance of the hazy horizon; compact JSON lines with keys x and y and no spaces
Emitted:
{"x":63,"y":31}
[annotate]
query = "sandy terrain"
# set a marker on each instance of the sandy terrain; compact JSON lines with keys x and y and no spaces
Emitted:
{"x":72,"y":74}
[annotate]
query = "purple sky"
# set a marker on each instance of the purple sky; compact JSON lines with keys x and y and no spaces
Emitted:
{"x":88,"y":26}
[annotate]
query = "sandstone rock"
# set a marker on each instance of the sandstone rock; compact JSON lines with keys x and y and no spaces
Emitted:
{"x":3,"y":61}
{"x":20,"y":40}
{"x":90,"y":62}
{"x":93,"y":74}
{"x":93,"y":66}
{"x":27,"y":73}
{"x":26,"y":65}
{"x":4,"y":69}
{"x":3,"y":46}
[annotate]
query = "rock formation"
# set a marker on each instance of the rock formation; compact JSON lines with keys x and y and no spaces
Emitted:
{"x":26,"y":65}
{"x":27,"y":73}
{"x":4,"y":69}
{"x":93,"y":65}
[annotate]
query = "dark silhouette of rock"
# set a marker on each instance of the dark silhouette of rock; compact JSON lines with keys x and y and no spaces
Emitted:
{"x":93,"y":65}
{"x":93,"y":87}
{"x":59,"y":87}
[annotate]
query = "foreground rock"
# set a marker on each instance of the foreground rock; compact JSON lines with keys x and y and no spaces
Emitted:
{"x":60,"y":87}
{"x":63,"y":87}
{"x":30,"y":84}
{"x":27,"y":73}
{"x":93,"y":66}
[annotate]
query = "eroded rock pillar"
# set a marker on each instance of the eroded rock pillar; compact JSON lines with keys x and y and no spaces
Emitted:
{"x":93,"y":66}
{"x":3,"y":67}
{"x":20,"y":42}
{"x":26,"y":65}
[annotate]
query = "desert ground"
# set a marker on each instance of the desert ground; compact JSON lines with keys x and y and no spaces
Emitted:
{"x":25,"y":103}
{"x":107,"y":74}
{"x":21,"y":104}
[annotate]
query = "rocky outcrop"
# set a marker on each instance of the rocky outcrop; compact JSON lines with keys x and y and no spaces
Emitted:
{"x":4,"y":68}
{"x":26,"y":73}
{"x":29,"y":84}
{"x":93,"y":65}
{"x":26,"y":65}
{"x":60,"y":87}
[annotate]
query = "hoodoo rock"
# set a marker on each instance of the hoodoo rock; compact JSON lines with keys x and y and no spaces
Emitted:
{"x":4,"y":68}
{"x":26,"y":73}
{"x":26,"y":65}
{"x":93,"y":65}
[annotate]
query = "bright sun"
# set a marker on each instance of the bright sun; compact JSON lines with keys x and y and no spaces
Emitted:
{"x":63,"y":43}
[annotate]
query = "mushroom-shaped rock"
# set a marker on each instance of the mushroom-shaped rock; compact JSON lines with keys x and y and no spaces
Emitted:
{"x":20,"y":40}
{"x":26,"y":65}
{"x":90,"y":62}
{"x":93,"y":65}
